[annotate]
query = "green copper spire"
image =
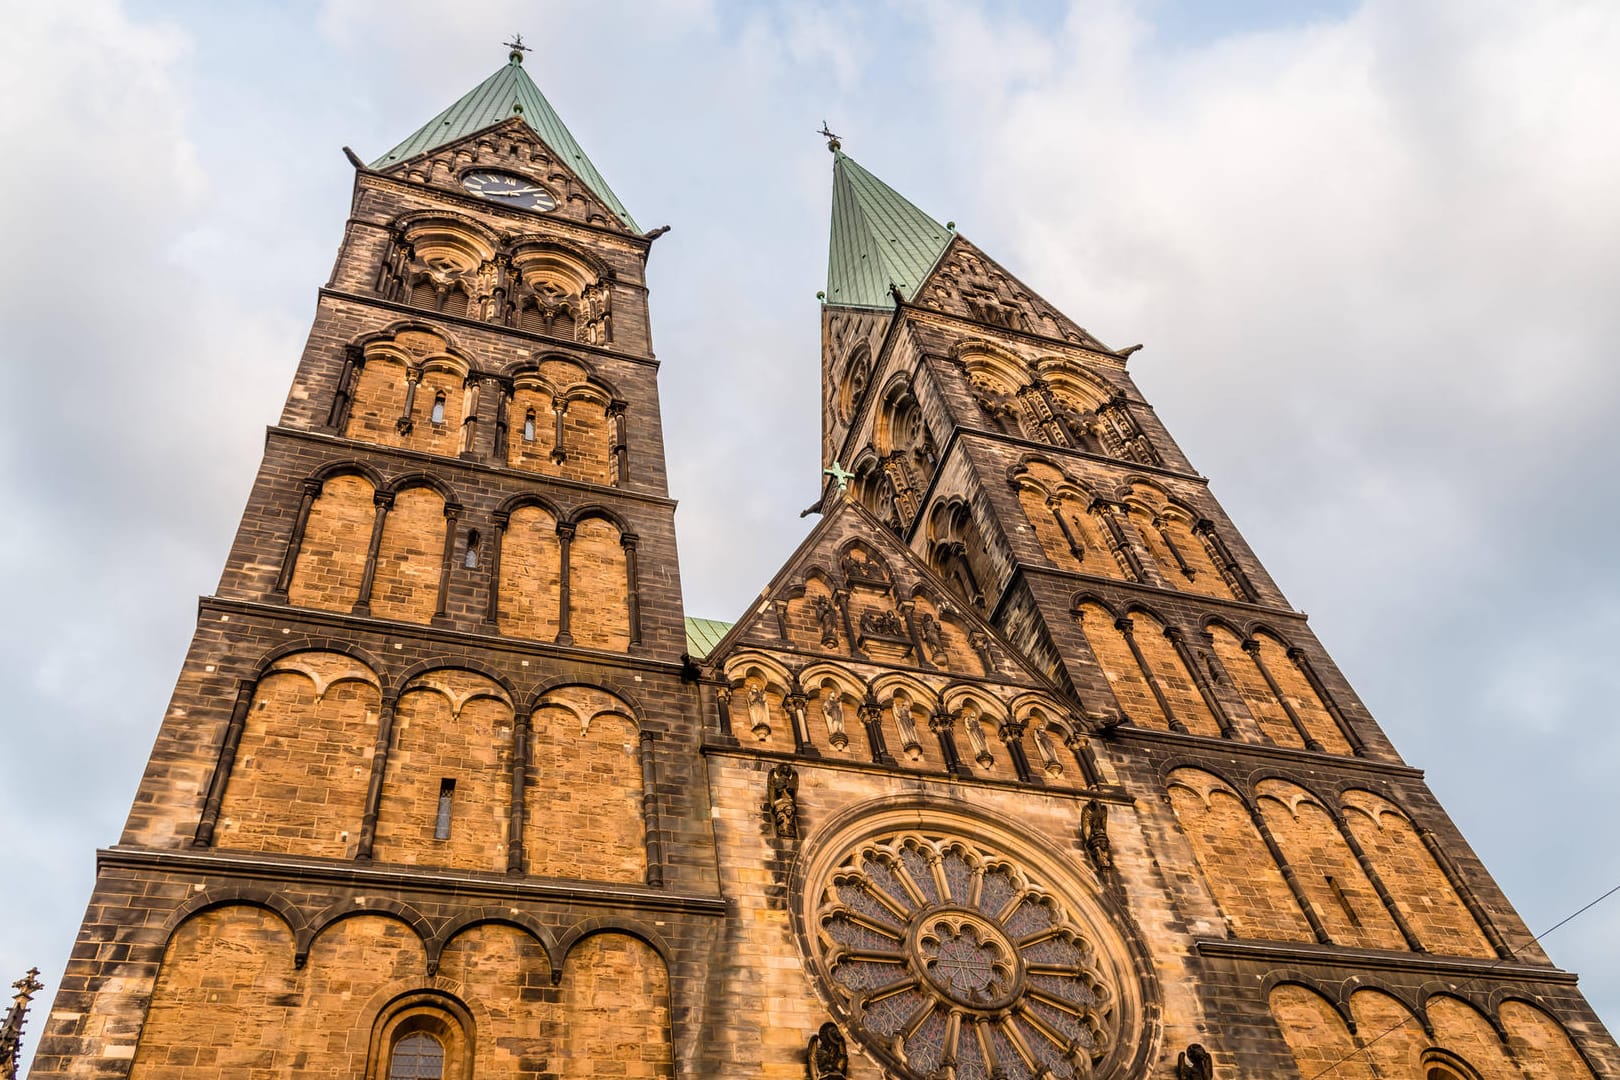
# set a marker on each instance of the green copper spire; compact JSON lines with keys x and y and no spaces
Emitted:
{"x":507,"y":93}
{"x":878,"y":239}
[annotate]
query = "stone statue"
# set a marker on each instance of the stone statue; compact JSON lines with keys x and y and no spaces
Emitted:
{"x":1194,"y":1063}
{"x":759,"y":712}
{"x":1094,"y":832}
{"x":827,"y":1058}
{"x":782,"y":800}
{"x":886,"y":623}
{"x":933,"y":638}
{"x":832,"y":710}
{"x":827,"y":616}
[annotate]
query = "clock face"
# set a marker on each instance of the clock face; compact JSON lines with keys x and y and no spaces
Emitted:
{"x":508,"y":190}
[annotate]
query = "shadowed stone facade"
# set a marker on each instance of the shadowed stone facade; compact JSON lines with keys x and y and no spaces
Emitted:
{"x":1021,"y":767}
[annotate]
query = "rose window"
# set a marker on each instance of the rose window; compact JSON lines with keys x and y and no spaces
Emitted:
{"x":952,"y":961}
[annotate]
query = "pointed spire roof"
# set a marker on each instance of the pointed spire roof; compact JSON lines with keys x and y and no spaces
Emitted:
{"x":878,"y":238}
{"x":507,"y":93}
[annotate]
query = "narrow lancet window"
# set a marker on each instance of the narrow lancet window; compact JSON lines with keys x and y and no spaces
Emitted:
{"x":528,"y":426}
{"x":438,"y":407}
{"x":441,"y":825}
{"x":470,"y":560}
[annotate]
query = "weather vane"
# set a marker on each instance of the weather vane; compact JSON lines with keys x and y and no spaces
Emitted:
{"x":517,"y":47}
{"x":832,"y":140}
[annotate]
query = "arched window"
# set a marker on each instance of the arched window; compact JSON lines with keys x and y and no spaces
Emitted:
{"x":470,"y":560}
{"x":425,"y":1035}
{"x":528,"y":426}
{"x":418,"y":1056}
{"x":438,"y":407}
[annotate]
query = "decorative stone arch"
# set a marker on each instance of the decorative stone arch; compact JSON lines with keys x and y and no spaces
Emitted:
{"x":628,"y":541}
{"x":391,"y":332}
{"x":598,"y":681}
{"x":1499,"y":997}
{"x":1337,"y":997}
{"x":1177,"y":762}
{"x":761,"y":688}
{"x":854,"y":375}
{"x":438,"y":1006}
{"x":1432,"y":990}
{"x":451,"y":928}
{"x":241,"y":895}
{"x":980,"y":356}
{"x":413,"y":679}
{"x":267,"y":663}
{"x":423,"y":479}
{"x":618,"y":924}
{"x":631,"y":712}
{"x":1063,"y":375}
{"x":339,"y":910}
{"x":419,"y":220}
{"x":347,"y":467}
{"x":536,"y":245}
{"x":1116,"y":961}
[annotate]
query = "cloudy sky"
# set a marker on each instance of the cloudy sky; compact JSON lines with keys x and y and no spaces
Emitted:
{"x":1371,"y":248}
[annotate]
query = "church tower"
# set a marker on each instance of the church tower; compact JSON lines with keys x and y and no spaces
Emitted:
{"x":425,"y":786}
{"x":1264,"y":888}
{"x":1020,"y":768}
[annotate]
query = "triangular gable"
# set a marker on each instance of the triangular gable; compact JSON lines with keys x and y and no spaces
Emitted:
{"x":968,"y":283}
{"x":853,"y":592}
{"x":518,"y":149}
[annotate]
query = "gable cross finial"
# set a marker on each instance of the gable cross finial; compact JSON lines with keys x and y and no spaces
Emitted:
{"x":517,"y":48}
{"x":840,"y":474}
{"x":833,"y":142}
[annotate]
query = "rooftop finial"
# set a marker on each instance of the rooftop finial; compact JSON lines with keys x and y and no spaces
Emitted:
{"x":11,"y":1027}
{"x":832,"y":140}
{"x":517,"y":47}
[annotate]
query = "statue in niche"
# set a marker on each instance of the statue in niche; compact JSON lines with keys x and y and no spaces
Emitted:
{"x":827,"y":1058}
{"x":858,"y":567}
{"x":832,"y":711}
{"x":759,"y":712}
{"x":906,"y":725}
{"x":827,"y":618}
{"x":1094,"y":832}
{"x":933,"y":638}
{"x":1194,"y":1063}
{"x":975,"y":733}
{"x":883,"y":623}
{"x":782,"y":800}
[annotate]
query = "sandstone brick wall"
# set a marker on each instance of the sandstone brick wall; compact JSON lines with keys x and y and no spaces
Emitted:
{"x":332,"y":559}
{"x":450,"y":727}
{"x":584,"y":801}
{"x":410,"y":557}
{"x":299,"y":783}
{"x":1246,"y":883}
{"x":1427,"y":899}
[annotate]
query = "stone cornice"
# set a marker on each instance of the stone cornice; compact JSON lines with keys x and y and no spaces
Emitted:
{"x":284,"y":613}
{"x":1180,"y":596}
{"x":448,"y":462}
{"x":461,"y":883}
{"x":1273,"y":952}
{"x":1210,"y":744}
{"x":944,"y":784}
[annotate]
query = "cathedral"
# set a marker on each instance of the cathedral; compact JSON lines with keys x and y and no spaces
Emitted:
{"x":1020,"y":768}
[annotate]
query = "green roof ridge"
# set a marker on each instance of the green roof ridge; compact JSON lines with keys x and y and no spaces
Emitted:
{"x":702,"y":635}
{"x":878,"y":237}
{"x":491,"y":102}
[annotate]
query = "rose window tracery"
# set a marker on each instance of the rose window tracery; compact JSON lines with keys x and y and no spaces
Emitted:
{"x":951,"y":960}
